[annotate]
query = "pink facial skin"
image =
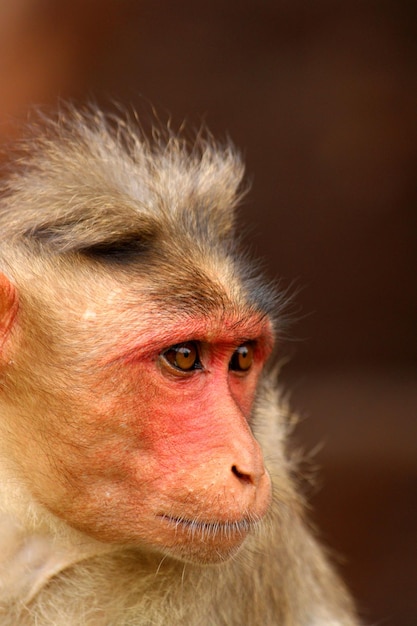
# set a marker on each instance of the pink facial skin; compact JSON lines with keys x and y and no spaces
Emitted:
{"x":190,"y":464}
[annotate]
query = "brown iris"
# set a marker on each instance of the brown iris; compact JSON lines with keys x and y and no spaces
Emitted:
{"x":183,"y":356}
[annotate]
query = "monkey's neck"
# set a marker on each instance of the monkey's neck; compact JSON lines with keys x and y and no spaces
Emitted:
{"x":34,"y":544}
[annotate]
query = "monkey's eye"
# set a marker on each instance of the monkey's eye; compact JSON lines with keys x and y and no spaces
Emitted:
{"x":242,"y":358}
{"x":183,"y":356}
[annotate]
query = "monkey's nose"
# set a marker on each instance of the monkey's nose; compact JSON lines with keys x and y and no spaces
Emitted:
{"x":246,"y":461}
{"x":249,"y":469}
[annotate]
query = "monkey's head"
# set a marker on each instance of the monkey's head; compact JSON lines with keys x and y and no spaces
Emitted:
{"x":133,"y":337}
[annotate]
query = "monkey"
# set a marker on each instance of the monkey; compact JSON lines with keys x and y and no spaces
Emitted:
{"x":145,"y":475}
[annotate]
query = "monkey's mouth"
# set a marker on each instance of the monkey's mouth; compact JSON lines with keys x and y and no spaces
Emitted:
{"x":203,"y":528}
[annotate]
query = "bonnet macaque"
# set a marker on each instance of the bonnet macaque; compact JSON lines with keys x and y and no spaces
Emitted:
{"x":144,"y":473}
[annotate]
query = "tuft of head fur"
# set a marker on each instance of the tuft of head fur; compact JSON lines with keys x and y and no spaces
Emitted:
{"x":99,"y":182}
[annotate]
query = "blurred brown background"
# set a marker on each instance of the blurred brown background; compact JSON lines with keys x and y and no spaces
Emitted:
{"x":321,"y":97}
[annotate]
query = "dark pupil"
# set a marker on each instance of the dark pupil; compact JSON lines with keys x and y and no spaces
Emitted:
{"x":184,"y":354}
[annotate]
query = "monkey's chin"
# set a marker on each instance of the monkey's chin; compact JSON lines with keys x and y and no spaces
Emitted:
{"x":202,"y":542}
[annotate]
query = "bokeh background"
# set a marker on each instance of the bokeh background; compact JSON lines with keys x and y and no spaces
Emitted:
{"x":321,"y":98}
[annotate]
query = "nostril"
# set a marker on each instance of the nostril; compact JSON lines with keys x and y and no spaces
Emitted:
{"x":244,"y":478}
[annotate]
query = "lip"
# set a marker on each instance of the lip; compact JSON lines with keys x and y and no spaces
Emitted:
{"x":210,"y":527}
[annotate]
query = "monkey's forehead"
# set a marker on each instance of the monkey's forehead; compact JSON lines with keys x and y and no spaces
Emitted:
{"x":222,"y":288}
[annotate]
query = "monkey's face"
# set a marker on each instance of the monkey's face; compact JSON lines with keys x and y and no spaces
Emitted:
{"x":148,"y":440}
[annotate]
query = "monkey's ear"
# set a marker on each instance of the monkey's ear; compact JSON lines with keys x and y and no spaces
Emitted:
{"x":8,"y":307}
